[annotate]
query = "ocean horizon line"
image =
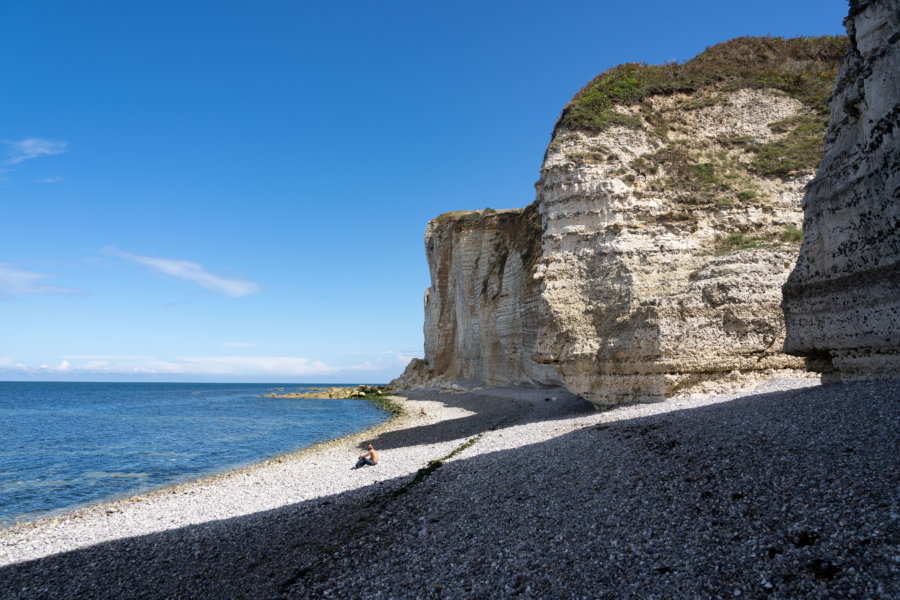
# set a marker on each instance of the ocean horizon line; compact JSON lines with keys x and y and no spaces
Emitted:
{"x":192,"y":382}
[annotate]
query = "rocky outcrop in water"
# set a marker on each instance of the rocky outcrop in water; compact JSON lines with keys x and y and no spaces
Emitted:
{"x":666,"y":221}
{"x":842,"y":300}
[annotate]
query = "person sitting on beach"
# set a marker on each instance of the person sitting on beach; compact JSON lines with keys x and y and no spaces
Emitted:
{"x":369,"y":458}
{"x":422,"y":412}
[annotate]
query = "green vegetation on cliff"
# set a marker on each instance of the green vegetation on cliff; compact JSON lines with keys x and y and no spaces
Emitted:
{"x":708,"y":173}
{"x":518,"y":230}
{"x":737,"y":242}
{"x":803,"y":68}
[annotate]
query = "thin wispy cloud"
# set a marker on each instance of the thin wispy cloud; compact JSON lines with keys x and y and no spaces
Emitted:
{"x":107,"y":357}
{"x":253,"y":365}
{"x":15,"y":282}
{"x":236,"y":345}
{"x":33,"y":147}
{"x":191,"y":272}
{"x":402,"y":356}
{"x":54,"y":179}
{"x":366,"y":366}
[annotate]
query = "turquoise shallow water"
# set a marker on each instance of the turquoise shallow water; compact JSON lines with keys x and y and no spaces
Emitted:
{"x":63,"y":445}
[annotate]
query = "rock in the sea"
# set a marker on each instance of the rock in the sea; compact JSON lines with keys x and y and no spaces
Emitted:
{"x":665,"y":222}
{"x":842,"y":300}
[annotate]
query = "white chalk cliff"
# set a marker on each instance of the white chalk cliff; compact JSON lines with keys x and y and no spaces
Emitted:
{"x":482,"y":309}
{"x":842,"y":301}
{"x":638,"y":300}
{"x":665,"y":223}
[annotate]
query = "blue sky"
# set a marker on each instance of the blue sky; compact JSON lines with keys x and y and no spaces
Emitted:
{"x":238,"y":191}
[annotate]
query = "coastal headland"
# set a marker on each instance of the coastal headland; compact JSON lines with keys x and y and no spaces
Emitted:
{"x":658,"y":262}
{"x":660,"y":254}
{"x":778,"y":491}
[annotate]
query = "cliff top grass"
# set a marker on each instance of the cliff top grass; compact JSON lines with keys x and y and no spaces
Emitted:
{"x":802,"y":67}
{"x":519,"y":230}
{"x":473,"y":215}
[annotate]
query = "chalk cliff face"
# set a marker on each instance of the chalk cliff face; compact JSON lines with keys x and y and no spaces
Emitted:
{"x":842,"y":301}
{"x":665,"y":222}
{"x":482,"y":308}
{"x":644,"y":291}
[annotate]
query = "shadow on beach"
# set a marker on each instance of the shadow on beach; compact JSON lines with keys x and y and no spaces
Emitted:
{"x":787,"y":493}
{"x":491,"y":410}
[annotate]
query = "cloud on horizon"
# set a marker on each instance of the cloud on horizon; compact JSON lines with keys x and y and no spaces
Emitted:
{"x":7,"y":365}
{"x":33,"y":147}
{"x":220,"y":366}
{"x":191,"y":272}
{"x":14,"y":282}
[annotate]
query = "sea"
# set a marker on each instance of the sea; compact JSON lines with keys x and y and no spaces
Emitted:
{"x":67,"y":445}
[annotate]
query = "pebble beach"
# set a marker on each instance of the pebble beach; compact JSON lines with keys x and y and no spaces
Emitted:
{"x":788,"y":490}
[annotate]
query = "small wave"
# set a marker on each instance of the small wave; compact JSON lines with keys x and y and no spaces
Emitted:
{"x":8,"y":487}
{"x":115,"y":475}
{"x":170,"y":453}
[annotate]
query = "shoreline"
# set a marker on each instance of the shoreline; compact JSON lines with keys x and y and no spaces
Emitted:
{"x":23,"y":535}
{"x":80,"y":511}
{"x":137,"y":496}
{"x":97,"y":512}
{"x":789,"y":489}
